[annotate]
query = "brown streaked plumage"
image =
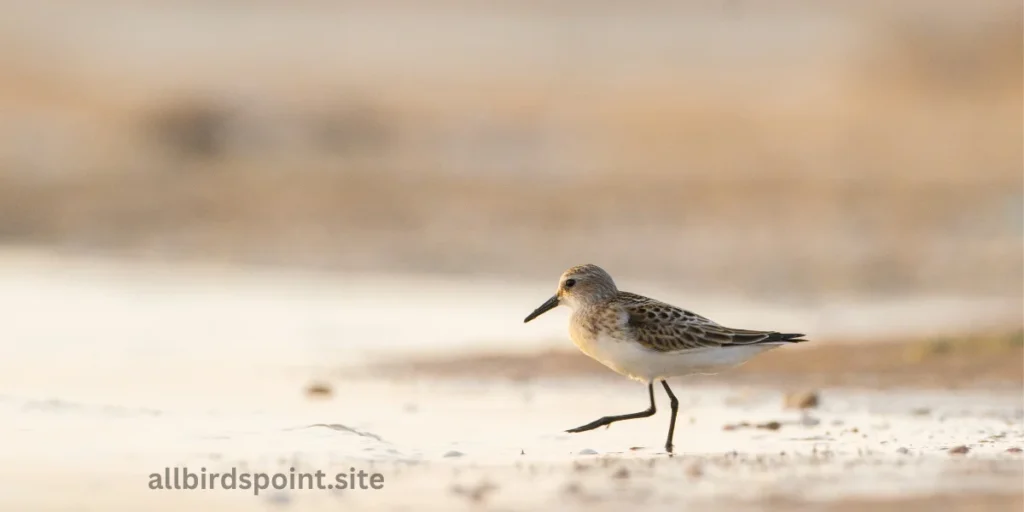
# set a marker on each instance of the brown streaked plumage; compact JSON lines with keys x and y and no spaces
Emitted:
{"x":666,"y":328}
{"x":646,"y":339}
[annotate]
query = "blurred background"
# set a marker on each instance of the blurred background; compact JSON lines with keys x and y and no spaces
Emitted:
{"x":261,"y":234}
{"x":789,"y":148}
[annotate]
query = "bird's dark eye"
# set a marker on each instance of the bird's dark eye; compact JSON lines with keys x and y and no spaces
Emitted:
{"x":569,"y":283}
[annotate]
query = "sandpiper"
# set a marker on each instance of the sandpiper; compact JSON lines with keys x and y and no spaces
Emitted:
{"x":649,"y":340}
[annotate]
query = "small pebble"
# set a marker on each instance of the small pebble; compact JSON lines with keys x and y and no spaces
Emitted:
{"x":477,"y":493}
{"x":771,"y":425}
{"x":279,"y":498}
{"x":801,"y":400}
{"x":1014,"y":450}
{"x":453,"y":453}
{"x":959,"y":450}
{"x":809,"y":421}
{"x":319,"y":390}
{"x":587,"y":451}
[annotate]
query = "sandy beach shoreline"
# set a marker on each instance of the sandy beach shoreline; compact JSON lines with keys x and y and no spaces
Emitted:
{"x":444,"y":445}
{"x":110,"y":373}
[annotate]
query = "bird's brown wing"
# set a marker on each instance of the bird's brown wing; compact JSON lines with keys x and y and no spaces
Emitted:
{"x":666,"y":328}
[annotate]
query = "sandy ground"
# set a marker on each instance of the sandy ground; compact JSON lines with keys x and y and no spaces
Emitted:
{"x":501,"y":445}
{"x":969,"y":360}
{"x":110,"y":373}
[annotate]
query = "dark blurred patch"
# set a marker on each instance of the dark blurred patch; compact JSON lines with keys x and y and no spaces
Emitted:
{"x":192,"y":129}
{"x":950,"y":57}
{"x":200,"y":130}
{"x":19,"y":216}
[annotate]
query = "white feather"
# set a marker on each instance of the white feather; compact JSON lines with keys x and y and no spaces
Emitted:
{"x":635,"y":361}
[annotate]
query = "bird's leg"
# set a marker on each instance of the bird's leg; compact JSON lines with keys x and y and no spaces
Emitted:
{"x":608,"y":420}
{"x":675,"y":409}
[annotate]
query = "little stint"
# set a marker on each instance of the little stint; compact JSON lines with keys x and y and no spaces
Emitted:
{"x":649,"y":340}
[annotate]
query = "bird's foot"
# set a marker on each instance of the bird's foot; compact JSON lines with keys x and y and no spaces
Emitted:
{"x":603,"y":422}
{"x":577,"y":430}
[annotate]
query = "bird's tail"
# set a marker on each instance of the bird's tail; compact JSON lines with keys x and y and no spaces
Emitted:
{"x":787,"y":337}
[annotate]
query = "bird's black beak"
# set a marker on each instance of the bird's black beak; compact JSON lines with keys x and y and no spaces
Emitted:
{"x":551,"y":303}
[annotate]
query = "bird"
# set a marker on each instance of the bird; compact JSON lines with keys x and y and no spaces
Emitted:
{"x":648,"y":340}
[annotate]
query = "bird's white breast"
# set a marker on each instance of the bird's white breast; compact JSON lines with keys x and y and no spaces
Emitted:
{"x":613,"y":350}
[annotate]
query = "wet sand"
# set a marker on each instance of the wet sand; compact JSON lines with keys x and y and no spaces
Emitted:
{"x":443,"y":445}
{"x":109,"y":374}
